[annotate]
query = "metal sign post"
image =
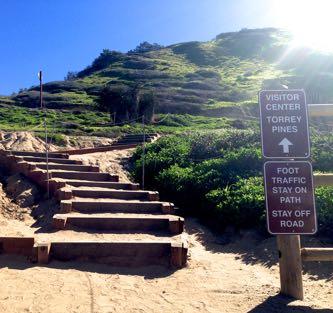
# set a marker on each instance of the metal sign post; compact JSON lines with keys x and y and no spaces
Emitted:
{"x":42,"y":106}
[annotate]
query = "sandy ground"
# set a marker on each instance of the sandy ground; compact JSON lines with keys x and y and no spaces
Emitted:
{"x":80,"y":142}
{"x":238,"y":277}
{"x":22,"y":141}
{"x":112,"y":161}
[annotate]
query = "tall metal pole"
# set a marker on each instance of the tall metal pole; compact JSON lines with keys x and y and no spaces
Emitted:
{"x":40,"y":76}
{"x":143,"y":152}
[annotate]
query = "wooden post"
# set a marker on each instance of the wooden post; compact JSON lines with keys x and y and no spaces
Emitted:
{"x":290,"y":261}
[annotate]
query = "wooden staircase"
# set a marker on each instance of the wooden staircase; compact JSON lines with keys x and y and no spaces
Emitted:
{"x":125,"y":142}
{"x":97,"y":203}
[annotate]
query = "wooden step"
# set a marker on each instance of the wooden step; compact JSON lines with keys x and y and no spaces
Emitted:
{"x":97,"y":192}
{"x":133,"y":140}
{"x":116,"y":252}
{"x":115,"y":206}
{"x":69,"y":167}
{"x":90,"y":176}
{"x":51,"y":160}
{"x":120,"y":222}
{"x":40,"y":154}
{"x":120,"y":253}
{"x":102,"y":184}
{"x":139,"y":135}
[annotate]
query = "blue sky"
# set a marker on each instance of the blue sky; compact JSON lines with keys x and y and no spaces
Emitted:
{"x":62,"y":35}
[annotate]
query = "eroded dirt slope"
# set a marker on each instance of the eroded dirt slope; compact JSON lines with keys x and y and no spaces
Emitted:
{"x":28,"y":141}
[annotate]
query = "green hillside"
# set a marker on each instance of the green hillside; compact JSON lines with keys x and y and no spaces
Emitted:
{"x":230,"y":68}
{"x":216,"y":78}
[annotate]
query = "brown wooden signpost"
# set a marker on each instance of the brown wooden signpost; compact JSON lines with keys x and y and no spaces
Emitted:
{"x":288,"y":183}
{"x":289,"y":187}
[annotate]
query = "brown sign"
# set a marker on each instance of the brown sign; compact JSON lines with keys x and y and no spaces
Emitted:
{"x":284,"y":124}
{"x":289,"y":197}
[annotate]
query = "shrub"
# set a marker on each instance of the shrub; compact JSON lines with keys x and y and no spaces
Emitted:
{"x":322,"y":153}
{"x":159,"y":156}
{"x":169,"y":167}
{"x":213,"y":144}
{"x":241,"y":204}
{"x":57,"y":139}
{"x":324,"y":204}
{"x":177,"y":183}
{"x":244,"y":162}
{"x":70,"y":75}
{"x":217,"y":177}
{"x":139,"y":64}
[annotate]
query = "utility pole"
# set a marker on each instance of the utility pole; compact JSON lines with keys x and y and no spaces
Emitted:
{"x":143,"y":152}
{"x":42,"y":106}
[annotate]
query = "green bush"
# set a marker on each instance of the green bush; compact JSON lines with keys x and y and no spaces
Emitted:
{"x":322,"y":152}
{"x":241,"y":204}
{"x":213,"y":144}
{"x":215,"y":173}
{"x":324,"y":204}
{"x":159,"y":156}
{"x":218,"y":176}
{"x":178,"y":183}
{"x":173,"y":166}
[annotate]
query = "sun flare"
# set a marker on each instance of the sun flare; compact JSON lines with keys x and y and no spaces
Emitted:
{"x":310,"y":22}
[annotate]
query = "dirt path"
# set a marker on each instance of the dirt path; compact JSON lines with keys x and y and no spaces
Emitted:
{"x":238,"y":277}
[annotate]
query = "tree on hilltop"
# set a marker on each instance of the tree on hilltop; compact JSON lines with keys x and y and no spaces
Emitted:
{"x":71,"y":75}
{"x":145,"y":46}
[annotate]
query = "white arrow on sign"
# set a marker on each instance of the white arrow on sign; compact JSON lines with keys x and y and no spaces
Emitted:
{"x":285,"y":143}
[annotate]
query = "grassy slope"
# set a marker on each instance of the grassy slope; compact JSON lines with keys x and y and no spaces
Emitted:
{"x":97,"y":123}
{"x":184,"y":75}
{"x":217,"y":78}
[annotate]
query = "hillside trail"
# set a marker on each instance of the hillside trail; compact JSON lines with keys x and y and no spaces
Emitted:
{"x":225,"y":273}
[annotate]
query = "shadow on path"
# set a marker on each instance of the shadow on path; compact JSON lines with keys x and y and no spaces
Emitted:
{"x":279,"y":304}
{"x":148,"y":272}
{"x":253,"y":248}
{"x":43,"y":214}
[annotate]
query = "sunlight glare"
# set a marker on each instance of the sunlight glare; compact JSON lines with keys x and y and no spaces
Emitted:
{"x":310,"y":22}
